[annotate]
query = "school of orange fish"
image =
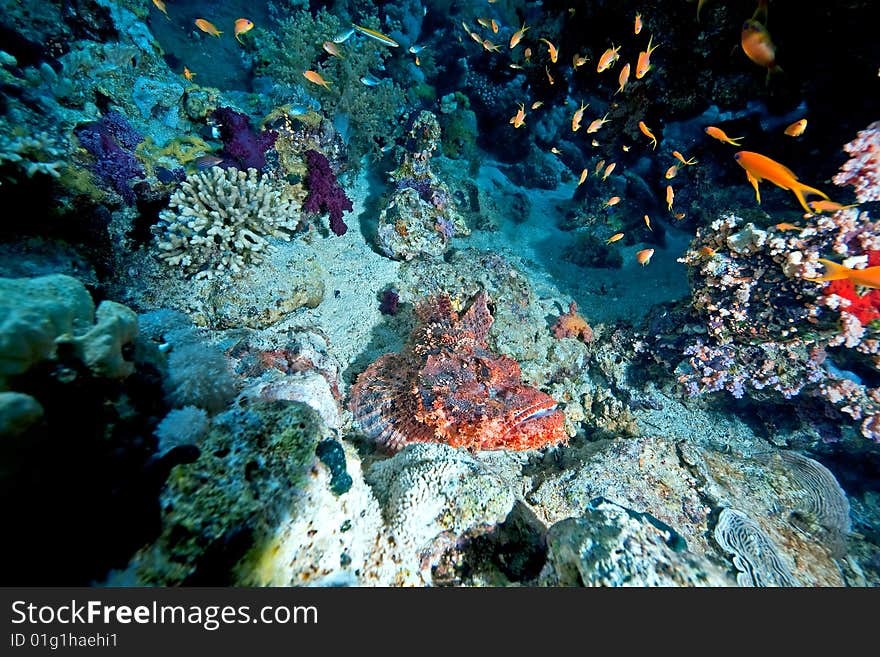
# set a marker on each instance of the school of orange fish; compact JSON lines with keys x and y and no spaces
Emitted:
{"x":755,"y":42}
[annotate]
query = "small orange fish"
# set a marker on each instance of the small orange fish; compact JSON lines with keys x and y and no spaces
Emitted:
{"x":578,"y":116}
{"x":625,"y":148}
{"x":551,"y":49}
{"x":599,"y":167}
{"x":332,"y":48}
{"x":681,"y":159}
{"x":608,"y":170}
{"x":671,"y":172}
{"x":757,"y":45}
{"x":786,"y":226}
{"x":314,"y":76}
{"x":494,"y":24}
{"x":160,"y":5}
{"x":207,"y":27}
{"x":638,"y":24}
{"x":242,"y":26}
{"x":614,"y":238}
{"x":623,"y":78}
{"x":189,"y":75}
{"x":537,"y":104}
{"x":707,"y":251}
{"x":519,"y":119}
{"x":549,"y":77}
{"x":868,"y":277}
{"x":650,"y":135}
{"x":583,"y":177}
{"x":490,"y":47}
{"x":679,"y":215}
{"x":594,"y":143}
{"x":644,"y":63}
{"x":643,"y":257}
{"x":760,"y":167}
{"x":670,"y":196}
{"x":485,"y":22}
{"x":418,"y":61}
{"x":608,"y":58}
{"x":797,"y":128}
{"x":614,"y":200}
{"x":829,"y":206}
{"x":517,"y":36}
{"x":720,"y":135}
{"x":648,"y":223}
{"x":598,"y":123}
{"x":577,"y":61}
{"x":527,"y":55}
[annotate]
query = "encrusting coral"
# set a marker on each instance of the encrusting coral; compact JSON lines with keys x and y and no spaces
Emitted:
{"x":447,"y":386}
{"x":218,"y":222}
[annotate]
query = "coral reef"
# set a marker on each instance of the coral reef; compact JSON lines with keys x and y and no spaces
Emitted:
{"x":111,"y":141}
{"x":447,"y":386}
{"x":325,"y":193}
{"x":242,"y":147}
{"x":862,"y":170}
{"x":754,"y":555}
{"x":219,"y":220}
{"x":421,"y":217}
{"x":572,"y":325}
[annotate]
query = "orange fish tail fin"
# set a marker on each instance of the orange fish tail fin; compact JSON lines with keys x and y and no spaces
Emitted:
{"x":800,"y":190}
{"x":833,"y":272}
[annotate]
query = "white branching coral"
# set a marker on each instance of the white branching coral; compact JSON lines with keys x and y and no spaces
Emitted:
{"x":36,"y":153}
{"x":219,"y":220}
{"x":862,"y":170}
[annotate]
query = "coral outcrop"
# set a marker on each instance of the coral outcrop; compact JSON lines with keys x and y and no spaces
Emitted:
{"x":448,"y":386}
{"x":219,"y":222}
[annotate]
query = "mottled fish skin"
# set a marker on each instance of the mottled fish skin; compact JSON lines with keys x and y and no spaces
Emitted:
{"x":447,"y":386}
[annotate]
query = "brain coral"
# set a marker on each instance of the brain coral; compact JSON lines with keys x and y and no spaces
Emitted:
{"x":218,"y":221}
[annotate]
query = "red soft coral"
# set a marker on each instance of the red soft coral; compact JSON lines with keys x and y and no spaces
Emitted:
{"x":866,"y":308}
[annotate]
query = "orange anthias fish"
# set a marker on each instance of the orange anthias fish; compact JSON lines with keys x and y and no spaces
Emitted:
{"x":681,"y":159}
{"x":720,"y":135}
{"x":797,"y":128}
{"x":614,"y":200}
{"x":517,"y":36}
{"x":638,"y":24}
{"x":537,"y":104}
{"x":650,"y":135}
{"x":207,"y":27}
{"x":614,"y":238}
{"x":670,"y":196}
{"x":787,"y":226}
{"x":578,"y":117}
{"x":583,"y":177}
{"x":829,"y":206}
{"x":243,"y":26}
{"x":160,"y":5}
{"x":648,"y":223}
{"x":189,"y":75}
{"x":608,"y":170}
{"x":608,"y":58}
{"x":494,"y":26}
{"x":756,"y":44}
{"x":577,"y":61}
{"x":598,"y":123}
{"x":332,"y":48}
{"x":623,"y":78}
{"x":549,"y":77}
{"x":599,"y":166}
{"x":644,"y":63}
{"x":527,"y":55}
{"x":643,"y":257}
{"x":551,"y":49}
{"x":868,"y":277}
{"x":314,"y":76}
{"x":760,"y":167}
{"x":519,"y":119}
{"x":671,"y":172}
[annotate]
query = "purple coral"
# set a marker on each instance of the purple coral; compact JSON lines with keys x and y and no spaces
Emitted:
{"x":242,"y":147}
{"x":325,"y":194}
{"x":111,"y":140}
{"x":389,"y":302}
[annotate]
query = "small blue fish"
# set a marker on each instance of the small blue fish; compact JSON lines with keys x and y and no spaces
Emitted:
{"x":343,"y":36}
{"x":371,"y":81}
{"x":415,"y":50}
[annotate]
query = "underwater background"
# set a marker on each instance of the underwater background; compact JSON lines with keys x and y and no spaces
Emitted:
{"x":440,"y":293}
